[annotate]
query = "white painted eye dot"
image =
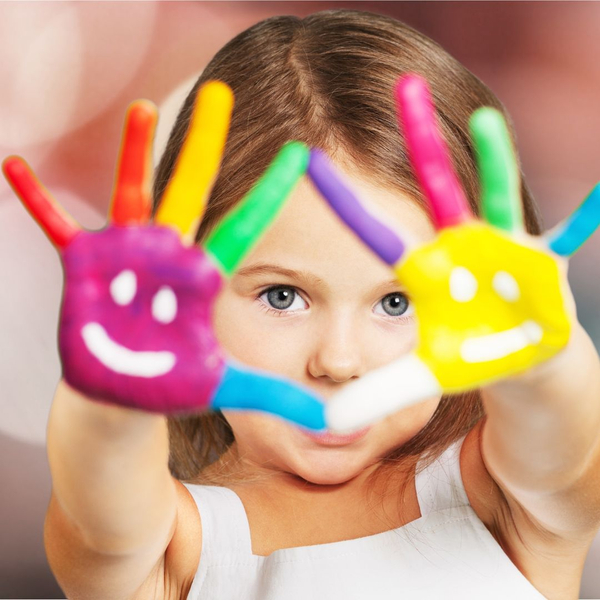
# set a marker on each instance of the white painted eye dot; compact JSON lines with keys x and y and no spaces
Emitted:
{"x":164,"y":305}
{"x":463,"y":285}
{"x":123,"y":287}
{"x":506,"y":286}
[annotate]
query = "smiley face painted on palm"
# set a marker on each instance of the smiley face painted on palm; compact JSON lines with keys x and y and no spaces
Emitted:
{"x":478,"y":302}
{"x":147,"y":325}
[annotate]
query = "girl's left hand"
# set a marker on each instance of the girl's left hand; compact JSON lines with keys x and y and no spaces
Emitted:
{"x":491,"y":300}
{"x":136,"y":326}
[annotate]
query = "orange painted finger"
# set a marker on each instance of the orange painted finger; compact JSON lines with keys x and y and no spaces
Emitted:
{"x":131,"y":201}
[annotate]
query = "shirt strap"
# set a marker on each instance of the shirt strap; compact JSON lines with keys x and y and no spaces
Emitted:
{"x":439,"y":485}
{"x":225,"y":529}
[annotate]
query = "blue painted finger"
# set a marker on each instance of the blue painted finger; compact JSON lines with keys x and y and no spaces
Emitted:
{"x":247,"y":389}
{"x":571,"y":233}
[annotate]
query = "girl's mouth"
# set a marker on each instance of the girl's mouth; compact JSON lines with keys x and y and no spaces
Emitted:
{"x":327,"y":438}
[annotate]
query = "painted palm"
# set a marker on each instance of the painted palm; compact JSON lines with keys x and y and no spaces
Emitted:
{"x":135,"y":325}
{"x":491,"y":301}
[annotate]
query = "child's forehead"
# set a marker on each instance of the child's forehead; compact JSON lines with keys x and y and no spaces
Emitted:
{"x":306,"y":212}
{"x":308,"y":236}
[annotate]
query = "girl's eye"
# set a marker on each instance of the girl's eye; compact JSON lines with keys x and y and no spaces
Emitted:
{"x":396,"y":305}
{"x":282,"y":298}
{"x":285,"y":299}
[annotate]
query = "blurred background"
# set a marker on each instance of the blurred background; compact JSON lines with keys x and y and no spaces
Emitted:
{"x":68,"y":70}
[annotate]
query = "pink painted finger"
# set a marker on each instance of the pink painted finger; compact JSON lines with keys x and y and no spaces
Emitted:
{"x":429,"y":154}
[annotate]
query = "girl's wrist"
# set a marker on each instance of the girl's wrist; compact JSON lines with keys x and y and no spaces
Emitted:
{"x":568,"y":362}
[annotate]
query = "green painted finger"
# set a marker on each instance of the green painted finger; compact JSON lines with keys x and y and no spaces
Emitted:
{"x":243,"y":226}
{"x":498,"y":172}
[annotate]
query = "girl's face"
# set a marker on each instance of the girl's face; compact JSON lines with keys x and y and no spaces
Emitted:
{"x":312,"y":303}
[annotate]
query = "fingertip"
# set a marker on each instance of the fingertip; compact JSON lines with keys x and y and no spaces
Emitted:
{"x":12,"y":165}
{"x":295,"y":152}
{"x":412,"y":88}
{"x":318,"y":160}
{"x":216,"y":95}
{"x":142,"y":112}
{"x":487,"y":119}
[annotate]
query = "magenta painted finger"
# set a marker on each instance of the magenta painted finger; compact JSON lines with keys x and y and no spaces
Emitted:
{"x":375,"y":234}
{"x":429,"y":154}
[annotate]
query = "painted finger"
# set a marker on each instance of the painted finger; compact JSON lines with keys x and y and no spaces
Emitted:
{"x":185,"y":197}
{"x":498,"y":171}
{"x":247,"y":389}
{"x":375,"y":234}
{"x":571,"y":233}
{"x":59,"y":226}
{"x":381,"y":392}
{"x":242,"y":227}
{"x":131,"y":202}
{"x":429,"y":154}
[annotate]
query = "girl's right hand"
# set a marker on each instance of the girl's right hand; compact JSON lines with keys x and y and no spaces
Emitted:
{"x":135,"y":326}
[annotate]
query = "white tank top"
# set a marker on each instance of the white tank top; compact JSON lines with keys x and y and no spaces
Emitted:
{"x":447,"y":553}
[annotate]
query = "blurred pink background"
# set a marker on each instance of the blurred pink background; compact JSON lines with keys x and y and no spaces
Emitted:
{"x":68,"y":70}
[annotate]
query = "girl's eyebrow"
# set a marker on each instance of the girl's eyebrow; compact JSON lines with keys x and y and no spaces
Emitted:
{"x":265,"y":268}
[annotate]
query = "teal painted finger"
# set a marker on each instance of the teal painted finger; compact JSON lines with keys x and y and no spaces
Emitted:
{"x":571,"y":233}
{"x":498,"y":171}
{"x":243,"y":226}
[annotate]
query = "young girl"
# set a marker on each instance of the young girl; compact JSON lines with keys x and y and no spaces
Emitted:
{"x":257,"y":508}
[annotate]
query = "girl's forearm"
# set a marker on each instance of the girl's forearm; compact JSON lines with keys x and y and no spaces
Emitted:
{"x":110,"y":472}
{"x":543,"y":427}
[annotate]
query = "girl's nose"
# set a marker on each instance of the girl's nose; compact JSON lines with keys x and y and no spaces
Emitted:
{"x":336,"y":354}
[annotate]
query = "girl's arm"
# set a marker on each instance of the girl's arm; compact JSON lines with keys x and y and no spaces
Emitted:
{"x":492,"y":302}
{"x":541,"y":439}
{"x":136,"y":343}
{"x":114,"y":503}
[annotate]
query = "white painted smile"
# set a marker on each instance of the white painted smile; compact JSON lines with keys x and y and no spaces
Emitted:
{"x":499,"y":345}
{"x":122,"y":360}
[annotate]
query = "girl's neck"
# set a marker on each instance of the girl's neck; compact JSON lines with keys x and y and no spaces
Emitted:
{"x":235,"y":471}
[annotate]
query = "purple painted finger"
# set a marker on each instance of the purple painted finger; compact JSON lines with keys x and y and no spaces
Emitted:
{"x":429,"y":154}
{"x":376,"y":235}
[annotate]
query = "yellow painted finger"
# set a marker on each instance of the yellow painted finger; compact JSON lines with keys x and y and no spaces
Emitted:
{"x":184,"y":199}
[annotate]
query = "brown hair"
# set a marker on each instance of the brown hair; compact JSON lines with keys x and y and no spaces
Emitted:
{"x":327,"y":80}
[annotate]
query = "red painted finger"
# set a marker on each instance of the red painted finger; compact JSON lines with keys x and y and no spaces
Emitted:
{"x":59,"y":226}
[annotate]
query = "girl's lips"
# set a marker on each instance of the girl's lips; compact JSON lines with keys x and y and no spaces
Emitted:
{"x":330,"y":439}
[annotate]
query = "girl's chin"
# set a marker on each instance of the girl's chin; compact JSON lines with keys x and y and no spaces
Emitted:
{"x":329,"y":478}
{"x":331,"y":469}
